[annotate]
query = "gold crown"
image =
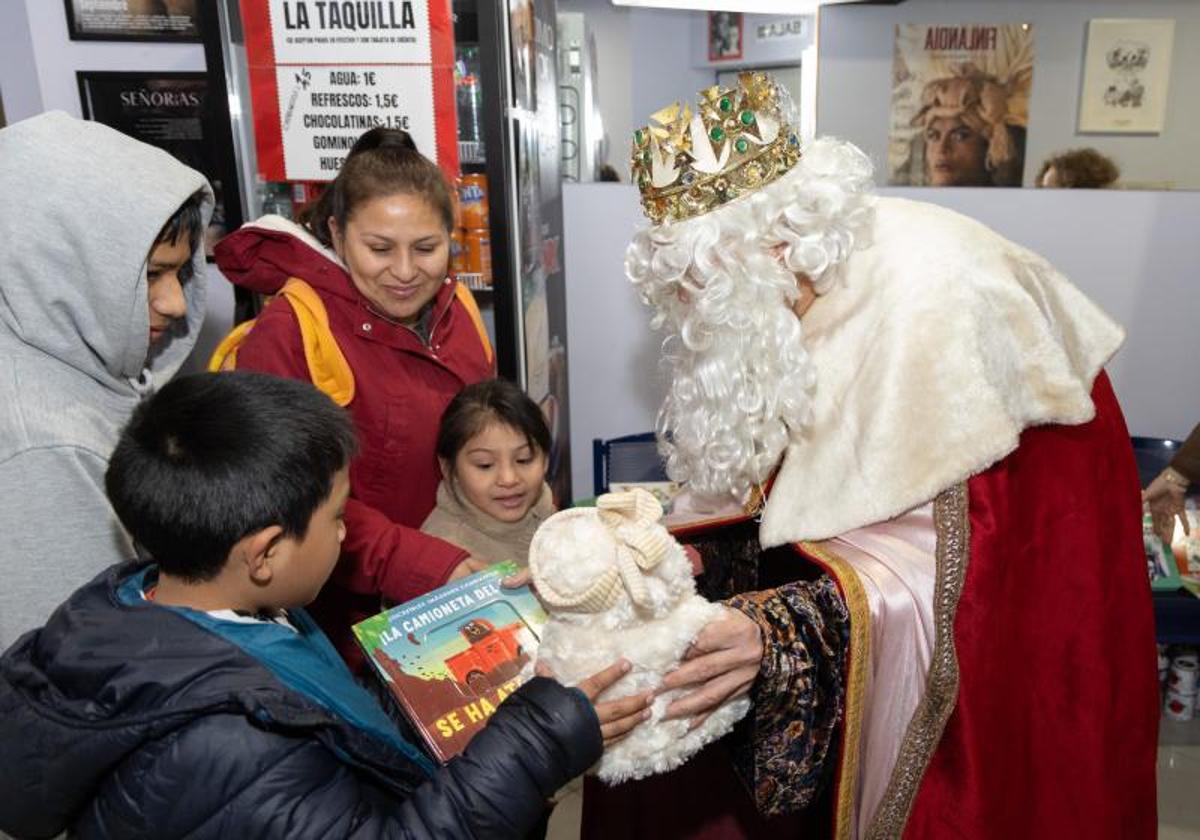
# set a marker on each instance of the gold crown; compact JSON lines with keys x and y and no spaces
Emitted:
{"x":737,"y":141}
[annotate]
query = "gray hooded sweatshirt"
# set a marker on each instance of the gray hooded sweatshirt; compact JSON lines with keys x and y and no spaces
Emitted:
{"x":80,"y":208}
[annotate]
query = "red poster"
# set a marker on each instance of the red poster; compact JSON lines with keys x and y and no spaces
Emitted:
{"x":323,"y":73}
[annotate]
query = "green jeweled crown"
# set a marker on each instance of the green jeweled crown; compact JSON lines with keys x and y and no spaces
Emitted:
{"x":737,"y":141}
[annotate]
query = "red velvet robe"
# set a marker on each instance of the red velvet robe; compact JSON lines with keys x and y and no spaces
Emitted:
{"x":1054,"y":730}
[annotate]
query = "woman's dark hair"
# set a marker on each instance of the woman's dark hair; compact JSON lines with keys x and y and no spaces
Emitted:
{"x":187,"y":221}
{"x":384,"y":161}
{"x":1085,"y":169}
{"x":215,"y":457}
{"x":485,"y":402}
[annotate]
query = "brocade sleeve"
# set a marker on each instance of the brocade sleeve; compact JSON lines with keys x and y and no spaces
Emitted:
{"x":791,"y":749}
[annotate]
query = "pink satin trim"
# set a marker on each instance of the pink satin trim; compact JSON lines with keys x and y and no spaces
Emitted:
{"x":895,"y":561}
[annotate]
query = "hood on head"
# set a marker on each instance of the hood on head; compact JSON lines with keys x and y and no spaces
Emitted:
{"x":82,"y":207}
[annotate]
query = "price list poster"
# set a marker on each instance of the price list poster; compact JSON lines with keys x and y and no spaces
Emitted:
{"x":324,"y":72}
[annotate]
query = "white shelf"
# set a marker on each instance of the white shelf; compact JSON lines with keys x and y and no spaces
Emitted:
{"x":470,"y":151}
{"x":474,"y":282}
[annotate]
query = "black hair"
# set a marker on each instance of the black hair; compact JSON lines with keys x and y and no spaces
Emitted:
{"x":383,"y":161}
{"x":482,"y":403}
{"x":187,"y":221}
{"x":215,"y":457}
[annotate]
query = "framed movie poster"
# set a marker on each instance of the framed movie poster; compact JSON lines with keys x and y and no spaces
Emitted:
{"x":725,"y":36}
{"x":172,"y":111}
{"x":960,"y":104}
{"x":1125,"y":74}
{"x":132,"y":20}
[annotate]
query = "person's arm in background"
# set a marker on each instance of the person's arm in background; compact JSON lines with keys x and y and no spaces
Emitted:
{"x":59,"y":532}
{"x":379,"y":556}
{"x":1187,"y":460}
{"x":1166,"y":493}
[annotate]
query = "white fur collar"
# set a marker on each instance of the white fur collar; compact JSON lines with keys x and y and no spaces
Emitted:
{"x":280,"y":224}
{"x":940,"y":343}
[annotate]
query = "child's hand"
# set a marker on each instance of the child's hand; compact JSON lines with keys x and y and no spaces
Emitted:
{"x":467,"y":567}
{"x":617,"y":717}
{"x":516,"y":581}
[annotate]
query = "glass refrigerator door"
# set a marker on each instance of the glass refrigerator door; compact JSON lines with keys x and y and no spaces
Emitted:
{"x":522,"y":160}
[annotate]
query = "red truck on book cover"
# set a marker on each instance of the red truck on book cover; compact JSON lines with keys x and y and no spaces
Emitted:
{"x":451,"y":657}
{"x":489,"y":650}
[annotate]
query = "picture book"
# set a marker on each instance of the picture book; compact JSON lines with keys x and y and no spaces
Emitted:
{"x":451,"y":657}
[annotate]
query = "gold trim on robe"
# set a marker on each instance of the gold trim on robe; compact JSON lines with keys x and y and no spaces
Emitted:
{"x":857,"y":662}
{"x":951,"y":519}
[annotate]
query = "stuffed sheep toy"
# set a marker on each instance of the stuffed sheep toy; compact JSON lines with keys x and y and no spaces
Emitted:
{"x":616,"y":584}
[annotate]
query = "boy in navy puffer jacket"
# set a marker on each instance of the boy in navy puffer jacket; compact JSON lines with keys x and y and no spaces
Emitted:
{"x":189,"y":695}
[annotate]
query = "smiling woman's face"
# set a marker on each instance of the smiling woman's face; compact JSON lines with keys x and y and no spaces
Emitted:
{"x":397,"y":250}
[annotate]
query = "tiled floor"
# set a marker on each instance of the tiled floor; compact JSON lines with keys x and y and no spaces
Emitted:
{"x":1179,"y":780}
{"x":1178,"y":788}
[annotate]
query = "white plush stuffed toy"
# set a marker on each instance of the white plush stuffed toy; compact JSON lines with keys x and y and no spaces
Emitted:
{"x":616,"y":584}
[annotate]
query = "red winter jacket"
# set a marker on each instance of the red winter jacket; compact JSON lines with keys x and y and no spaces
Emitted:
{"x":402,"y":386}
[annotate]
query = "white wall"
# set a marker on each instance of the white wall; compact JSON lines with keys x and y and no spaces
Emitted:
{"x":661,"y":53}
{"x":1134,"y":253}
{"x":56,"y":58}
{"x":614,"y":372}
{"x":756,"y":52}
{"x":855,"y":66}
{"x":18,"y":86}
{"x":649,"y":58}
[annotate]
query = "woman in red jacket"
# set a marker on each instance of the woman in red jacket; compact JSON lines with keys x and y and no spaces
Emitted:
{"x":375,"y":248}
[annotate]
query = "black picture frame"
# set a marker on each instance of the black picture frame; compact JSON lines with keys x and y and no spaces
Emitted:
{"x":179,"y":112}
{"x":78,"y":28}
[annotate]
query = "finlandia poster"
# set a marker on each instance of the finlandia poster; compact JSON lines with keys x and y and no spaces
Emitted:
{"x":960,"y":104}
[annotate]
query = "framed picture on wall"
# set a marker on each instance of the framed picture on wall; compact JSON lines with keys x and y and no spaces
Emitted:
{"x":725,"y":36}
{"x":959,"y":113}
{"x":132,"y":20}
{"x":1126,"y":70}
{"x":173,"y":111}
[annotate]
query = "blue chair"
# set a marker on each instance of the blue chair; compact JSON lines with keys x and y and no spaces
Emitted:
{"x":1153,"y":455}
{"x":628,"y":458}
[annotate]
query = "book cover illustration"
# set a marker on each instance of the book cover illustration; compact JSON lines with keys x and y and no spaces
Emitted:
{"x":451,"y":657}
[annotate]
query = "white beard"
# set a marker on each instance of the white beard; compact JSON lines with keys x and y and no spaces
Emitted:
{"x":742,"y":381}
{"x":737,"y":390}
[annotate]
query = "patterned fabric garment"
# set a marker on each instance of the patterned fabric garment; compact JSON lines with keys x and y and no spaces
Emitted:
{"x":731,"y":557}
{"x":791,"y":750}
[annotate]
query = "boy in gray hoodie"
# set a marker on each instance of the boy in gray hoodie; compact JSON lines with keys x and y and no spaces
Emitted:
{"x":101,"y":301}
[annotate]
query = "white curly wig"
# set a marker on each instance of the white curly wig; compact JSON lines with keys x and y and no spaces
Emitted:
{"x":740,"y":376}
